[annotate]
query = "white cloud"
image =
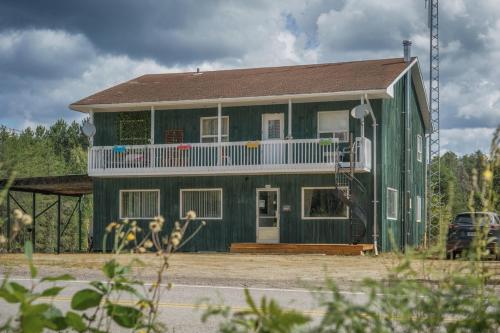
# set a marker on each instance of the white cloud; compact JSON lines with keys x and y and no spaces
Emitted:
{"x":466,"y":140}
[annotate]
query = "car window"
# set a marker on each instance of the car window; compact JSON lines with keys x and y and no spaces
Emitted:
{"x":472,"y":218}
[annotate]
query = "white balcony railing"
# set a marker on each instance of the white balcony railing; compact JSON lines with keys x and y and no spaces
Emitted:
{"x":276,"y":156}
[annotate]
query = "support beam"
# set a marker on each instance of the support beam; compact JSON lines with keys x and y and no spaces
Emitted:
{"x":18,"y":204}
{"x":290,"y":137}
{"x":152,"y":138}
{"x":219,"y":122}
{"x":58,"y":250}
{"x":33,"y":214}
{"x":8,"y":221}
{"x":80,"y":224}
{"x":91,"y":120}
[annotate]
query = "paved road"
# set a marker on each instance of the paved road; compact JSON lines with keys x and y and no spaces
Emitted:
{"x":179,"y":307}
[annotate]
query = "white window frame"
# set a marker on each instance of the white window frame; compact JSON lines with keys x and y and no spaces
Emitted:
{"x":390,"y":189}
{"x":211,"y":136}
{"x":418,"y":208}
{"x":419,"y":148}
{"x":333,"y":111}
{"x":202,"y":190}
{"x":137,"y":217}
{"x":321,"y":217}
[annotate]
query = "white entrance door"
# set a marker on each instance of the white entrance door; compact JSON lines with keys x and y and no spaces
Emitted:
{"x":272,"y":130}
{"x":268,"y":215}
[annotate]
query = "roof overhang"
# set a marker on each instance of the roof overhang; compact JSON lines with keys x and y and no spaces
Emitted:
{"x":418,"y":81}
{"x":235,"y":101}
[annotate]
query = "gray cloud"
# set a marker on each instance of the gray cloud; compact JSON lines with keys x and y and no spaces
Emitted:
{"x":54,"y":53}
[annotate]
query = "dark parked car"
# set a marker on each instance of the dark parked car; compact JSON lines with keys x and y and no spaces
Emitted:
{"x":464,"y":228}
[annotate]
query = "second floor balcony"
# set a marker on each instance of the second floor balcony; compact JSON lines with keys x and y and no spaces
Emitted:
{"x":244,"y":157}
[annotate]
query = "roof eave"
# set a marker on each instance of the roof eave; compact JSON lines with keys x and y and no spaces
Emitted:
{"x":345,"y":95}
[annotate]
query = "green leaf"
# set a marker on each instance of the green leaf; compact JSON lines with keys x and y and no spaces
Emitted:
{"x":109,"y":268}
{"x":125,"y":316}
{"x":54,"y":319}
{"x":85,"y":299}
{"x":32,"y":323}
{"x":54,"y":291}
{"x":8,"y":296}
{"x":75,"y":321}
{"x":28,"y":252}
{"x":64,"y":277}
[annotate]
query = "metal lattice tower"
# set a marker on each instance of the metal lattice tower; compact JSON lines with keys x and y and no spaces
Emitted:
{"x":434,"y":168}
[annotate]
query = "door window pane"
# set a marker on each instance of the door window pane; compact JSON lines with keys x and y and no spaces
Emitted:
{"x":268,"y":208}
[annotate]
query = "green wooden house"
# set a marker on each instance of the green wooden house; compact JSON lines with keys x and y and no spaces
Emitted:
{"x":266,"y":155}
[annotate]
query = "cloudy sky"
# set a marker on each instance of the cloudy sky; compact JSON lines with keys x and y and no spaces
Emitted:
{"x":55,"y":52}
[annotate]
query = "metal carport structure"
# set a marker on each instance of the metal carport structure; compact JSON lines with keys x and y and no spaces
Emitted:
{"x":61,"y":186}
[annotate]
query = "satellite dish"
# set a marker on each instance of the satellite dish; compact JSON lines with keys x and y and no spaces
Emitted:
{"x":360,"y":111}
{"x":88,"y":129}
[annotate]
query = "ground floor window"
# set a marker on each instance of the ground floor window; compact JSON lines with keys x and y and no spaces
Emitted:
{"x":139,"y":204}
{"x":418,"y":209}
{"x":324,"y":203}
{"x":392,"y":203}
{"x":206,"y":203}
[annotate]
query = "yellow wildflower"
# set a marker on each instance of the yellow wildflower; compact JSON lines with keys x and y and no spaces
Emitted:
{"x":191,"y":215}
{"x":148,"y":244}
{"x":26,"y":219}
{"x":130,"y":236}
{"x":488,"y":175}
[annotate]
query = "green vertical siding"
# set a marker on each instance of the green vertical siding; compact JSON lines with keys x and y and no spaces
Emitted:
{"x":393,"y":167}
{"x":245,"y":123}
{"x":239,"y":211}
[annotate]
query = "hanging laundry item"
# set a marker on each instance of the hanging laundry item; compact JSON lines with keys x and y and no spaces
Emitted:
{"x":119,"y":149}
{"x":183,"y":147}
{"x":252,"y":144}
{"x":325,"y":142}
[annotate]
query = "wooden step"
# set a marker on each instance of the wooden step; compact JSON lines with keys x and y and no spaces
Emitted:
{"x":294,"y":248}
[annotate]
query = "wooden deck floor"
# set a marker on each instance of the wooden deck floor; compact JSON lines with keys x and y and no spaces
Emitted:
{"x":289,"y":248}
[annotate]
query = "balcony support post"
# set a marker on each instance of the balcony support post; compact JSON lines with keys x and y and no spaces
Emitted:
{"x":289,"y":136}
{"x":219,"y":133}
{"x":152,"y":157}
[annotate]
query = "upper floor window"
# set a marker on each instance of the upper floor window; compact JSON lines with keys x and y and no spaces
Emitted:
{"x":333,"y":124}
{"x":419,"y":148}
{"x":134,"y":128}
{"x":208,"y":129}
{"x":392,"y":204}
{"x":139,"y":204}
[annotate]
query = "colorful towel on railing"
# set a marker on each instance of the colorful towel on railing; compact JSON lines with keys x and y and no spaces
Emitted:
{"x":183,"y":147}
{"x":325,"y":142}
{"x":119,"y":149}
{"x":252,"y":144}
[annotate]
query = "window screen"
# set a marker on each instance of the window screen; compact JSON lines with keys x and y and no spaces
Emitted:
{"x":206,"y":203}
{"x":323,"y":203}
{"x":209,"y":129}
{"x":134,"y":128}
{"x":139,"y":204}
{"x":333,"y":124}
{"x":392,"y":203}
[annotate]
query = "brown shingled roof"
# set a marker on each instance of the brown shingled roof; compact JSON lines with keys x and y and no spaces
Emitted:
{"x":253,"y":82}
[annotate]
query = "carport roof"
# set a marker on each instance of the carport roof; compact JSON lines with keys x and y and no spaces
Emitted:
{"x":69,"y":185}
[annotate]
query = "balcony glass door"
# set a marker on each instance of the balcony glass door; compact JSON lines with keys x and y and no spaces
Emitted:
{"x":268,"y":215}
{"x":272,"y":130}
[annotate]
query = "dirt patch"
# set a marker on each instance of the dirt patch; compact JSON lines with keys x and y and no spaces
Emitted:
{"x":279,"y":271}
